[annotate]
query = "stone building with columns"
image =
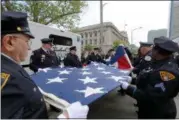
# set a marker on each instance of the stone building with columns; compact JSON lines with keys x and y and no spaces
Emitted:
{"x":91,"y":35}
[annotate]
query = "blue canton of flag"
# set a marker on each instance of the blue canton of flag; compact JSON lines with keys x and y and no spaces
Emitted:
{"x":80,"y":84}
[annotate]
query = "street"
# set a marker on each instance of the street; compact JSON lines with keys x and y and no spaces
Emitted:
{"x":116,"y":106}
{"x":113,"y":106}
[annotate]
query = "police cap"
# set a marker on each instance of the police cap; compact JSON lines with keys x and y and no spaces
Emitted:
{"x":166,"y":44}
{"x":73,"y":48}
{"x":46,"y":40}
{"x":145,"y":44}
{"x":15,"y":22}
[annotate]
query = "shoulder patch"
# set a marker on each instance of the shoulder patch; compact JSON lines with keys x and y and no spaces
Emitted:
{"x":166,"y":76}
{"x":4,"y":79}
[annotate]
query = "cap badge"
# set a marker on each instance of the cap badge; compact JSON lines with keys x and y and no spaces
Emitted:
{"x":19,"y":29}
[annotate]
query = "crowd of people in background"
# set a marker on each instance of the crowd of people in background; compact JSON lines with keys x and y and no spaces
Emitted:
{"x":96,"y":55}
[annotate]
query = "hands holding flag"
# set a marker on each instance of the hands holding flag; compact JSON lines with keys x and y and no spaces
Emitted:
{"x":120,"y":59}
{"x":124,"y":85}
{"x":60,"y":79}
{"x":75,"y":110}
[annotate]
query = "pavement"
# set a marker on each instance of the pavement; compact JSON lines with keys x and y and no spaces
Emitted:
{"x":113,"y":106}
{"x":177,"y":103}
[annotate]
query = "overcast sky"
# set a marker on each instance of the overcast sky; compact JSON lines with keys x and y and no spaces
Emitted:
{"x":147,"y":14}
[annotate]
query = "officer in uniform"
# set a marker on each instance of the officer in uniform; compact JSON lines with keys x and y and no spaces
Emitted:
{"x":144,"y":60}
{"x":44,"y":56}
{"x":84,"y":56}
{"x":177,"y":60}
{"x":144,"y":50}
{"x":155,"y":97}
{"x":72,"y":59}
{"x":20,"y":97}
{"x":95,"y":56}
{"x":176,"y":57}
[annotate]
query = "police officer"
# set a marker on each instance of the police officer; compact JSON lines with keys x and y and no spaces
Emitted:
{"x":20,"y":97}
{"x":176,"y":57}
{"x":84,"y":56}
{"x":177,"y":60}
{"x":145,"y":57}
{"x":155,"y":97}
{"x":44,"y":56}
{"x":144,"y":60}
{"x":95,"y":56}
{"x":72,"y":59}
{"x":143,"y":50}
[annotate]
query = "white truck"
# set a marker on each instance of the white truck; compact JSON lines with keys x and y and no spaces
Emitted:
{"x":62,"y":40}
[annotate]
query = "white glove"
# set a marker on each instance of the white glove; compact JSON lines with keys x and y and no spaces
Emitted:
{"x":128,"y":79}
{"x":76,"y":110}
{"x":61,"y":65}
{"x":39,"y":69}
{"x":134,"y":75}
{"x":124,"y":85}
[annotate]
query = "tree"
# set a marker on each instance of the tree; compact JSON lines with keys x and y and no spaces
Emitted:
{"x":88,"y":47}
{"x":116,"y":43}
{"x":64,"y":13}
{"x":75,"y":30}
{"x":133,"y":48}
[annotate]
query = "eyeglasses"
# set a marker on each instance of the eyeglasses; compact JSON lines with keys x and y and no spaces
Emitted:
{"x":28,"y":41}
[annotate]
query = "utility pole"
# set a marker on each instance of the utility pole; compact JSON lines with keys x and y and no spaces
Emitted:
{"x":132,"y":33}
{"x":101,"y":20}
{"x":171,"y":13}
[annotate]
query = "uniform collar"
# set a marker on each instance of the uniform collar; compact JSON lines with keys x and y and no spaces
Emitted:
{"x":8,"y":57}
{"x":44,"y":49}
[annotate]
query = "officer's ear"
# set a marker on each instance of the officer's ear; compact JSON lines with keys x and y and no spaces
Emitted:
{"x":8,"y":42}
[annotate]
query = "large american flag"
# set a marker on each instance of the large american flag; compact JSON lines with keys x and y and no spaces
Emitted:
{"x":80,"y":84}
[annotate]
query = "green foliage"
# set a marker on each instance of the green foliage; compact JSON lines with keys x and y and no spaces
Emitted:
{"x":133,"y":48}
{"x":116,"y":43}
{"x":62,"y":13}
{"x":75,"y":30}
{"x":88,"y":47}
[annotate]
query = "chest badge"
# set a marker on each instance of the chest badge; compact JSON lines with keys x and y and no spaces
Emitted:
{"x":42,"y":58}
{"x":147,"y":58}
